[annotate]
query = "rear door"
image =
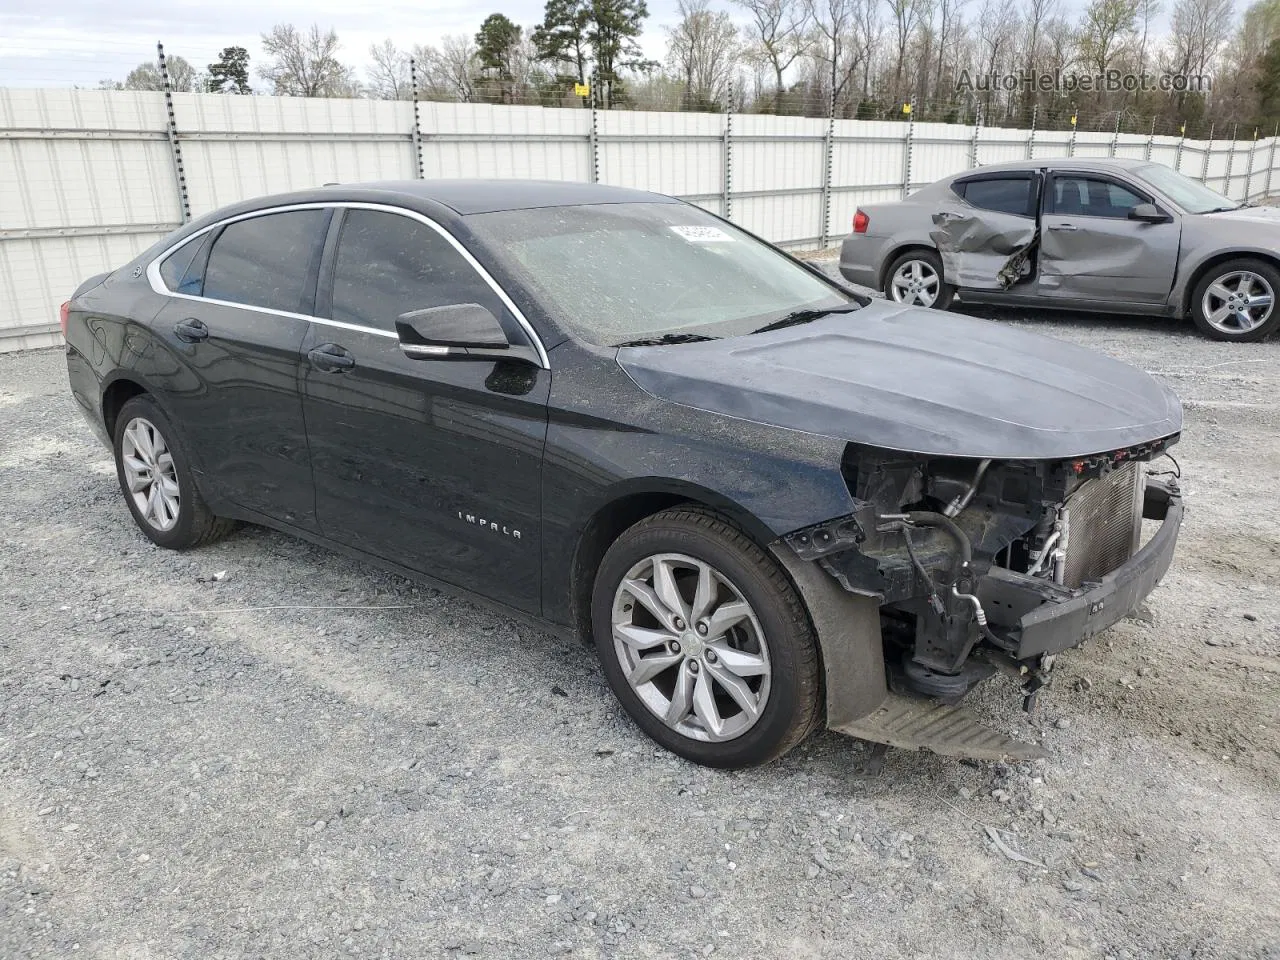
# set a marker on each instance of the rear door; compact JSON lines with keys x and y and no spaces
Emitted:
{"x":235,"y":322}
{"x":435,"y":464}
{"x":1091,"y":250}
{"x":986,"y":231}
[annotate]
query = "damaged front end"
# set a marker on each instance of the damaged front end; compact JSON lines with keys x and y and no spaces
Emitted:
{"x":986,"y":565}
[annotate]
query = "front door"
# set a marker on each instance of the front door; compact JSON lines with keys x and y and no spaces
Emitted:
{"x":434,"y":464}
{"x":1091,"y":250}
{"x":237,"y":320}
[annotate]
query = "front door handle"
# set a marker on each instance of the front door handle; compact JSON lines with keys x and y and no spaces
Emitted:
{"x":191,"y":330}
{"x":331,"y":358}
{"x":1062,"y":226}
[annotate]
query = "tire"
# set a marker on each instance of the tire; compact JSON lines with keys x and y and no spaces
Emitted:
{"x":172,"y":513}
{"x":1213,"y":314}
{"x":926,"y":264}
{"x":769,"y":653}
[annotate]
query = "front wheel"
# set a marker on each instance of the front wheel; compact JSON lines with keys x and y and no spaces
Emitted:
{"x":1237,"y":301}
{"x":915,"y":278}
{"x":704,"y":640}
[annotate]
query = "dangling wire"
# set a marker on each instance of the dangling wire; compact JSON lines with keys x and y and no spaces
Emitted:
{"x":1176,"y":472}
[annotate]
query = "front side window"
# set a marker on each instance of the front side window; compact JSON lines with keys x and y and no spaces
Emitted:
{"x":619,"y":272}
{"x":1002,"y":194}
{"x":265,"y":261}
{"x":1093,"y":197}
{"x":388,"y":264}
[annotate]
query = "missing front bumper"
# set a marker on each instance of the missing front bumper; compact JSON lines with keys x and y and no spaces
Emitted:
{"x":1045,"y":618}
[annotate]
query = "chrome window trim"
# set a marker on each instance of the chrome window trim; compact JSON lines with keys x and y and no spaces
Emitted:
{"x":157,"y":284}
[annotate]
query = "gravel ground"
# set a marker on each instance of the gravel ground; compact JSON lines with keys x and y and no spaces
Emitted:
{"x":307,"y":757}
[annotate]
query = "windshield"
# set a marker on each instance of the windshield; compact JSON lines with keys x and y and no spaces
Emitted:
{"x":619,"y":272}
{"x":1191,"y":196}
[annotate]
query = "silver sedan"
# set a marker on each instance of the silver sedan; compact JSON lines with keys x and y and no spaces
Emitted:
{"x":1125,"y":236}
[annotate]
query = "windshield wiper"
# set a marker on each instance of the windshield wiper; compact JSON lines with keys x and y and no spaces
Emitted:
{"x":1222,"y":209}
{"x":803,"y":316}
{"x":667,"y":338}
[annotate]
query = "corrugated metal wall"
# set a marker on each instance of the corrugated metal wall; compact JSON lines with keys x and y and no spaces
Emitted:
{"x":88,"y":178}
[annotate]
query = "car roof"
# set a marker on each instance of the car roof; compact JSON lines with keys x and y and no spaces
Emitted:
{"x":488,"y":196}
{"x":1101,"y":164}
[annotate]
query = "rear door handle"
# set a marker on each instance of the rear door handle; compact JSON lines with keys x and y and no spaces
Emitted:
{"x":331,"y":358}
{"x":191,"y":330}
{"x":1062,"y":226}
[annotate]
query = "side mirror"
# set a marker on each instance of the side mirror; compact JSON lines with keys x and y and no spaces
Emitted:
{"x":455,"y":330}
{"x":1149,"y":213}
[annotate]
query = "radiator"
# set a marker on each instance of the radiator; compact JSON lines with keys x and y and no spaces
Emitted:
{"x":1106,"y":524}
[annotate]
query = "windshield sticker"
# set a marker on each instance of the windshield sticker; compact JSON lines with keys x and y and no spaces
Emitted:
{"x":703,"y":234}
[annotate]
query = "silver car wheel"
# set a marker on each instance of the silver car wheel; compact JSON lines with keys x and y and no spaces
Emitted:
{"x":1238,"y":302}
{"x":915,"y":282}
{"x":150,"y":474}
{"x":691,"y":647}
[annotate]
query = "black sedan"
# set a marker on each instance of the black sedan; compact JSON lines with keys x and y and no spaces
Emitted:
{"x":772,"y":504}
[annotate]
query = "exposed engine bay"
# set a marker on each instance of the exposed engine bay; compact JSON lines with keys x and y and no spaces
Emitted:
{"x":986,"y":565}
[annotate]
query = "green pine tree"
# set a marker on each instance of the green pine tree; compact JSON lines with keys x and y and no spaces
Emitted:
{"x":230,"y":72}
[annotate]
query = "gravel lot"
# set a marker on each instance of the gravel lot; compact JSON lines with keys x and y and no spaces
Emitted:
{"x":308,"y":757}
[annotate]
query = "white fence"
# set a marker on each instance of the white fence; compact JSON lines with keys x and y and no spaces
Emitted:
{"x":90,"y":178}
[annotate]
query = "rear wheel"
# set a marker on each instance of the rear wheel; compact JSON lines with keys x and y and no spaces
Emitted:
{"x":704,"y":640}
{"x":156,"y":479}
{"x":916,"y":278}
{"x":1237,"y":301}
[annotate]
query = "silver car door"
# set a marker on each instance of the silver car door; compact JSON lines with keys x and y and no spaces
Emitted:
{"x":987,"y":231}
{"x":1092,"y":250}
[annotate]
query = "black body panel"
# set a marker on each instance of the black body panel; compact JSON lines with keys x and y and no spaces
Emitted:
{"x":433,"y":465}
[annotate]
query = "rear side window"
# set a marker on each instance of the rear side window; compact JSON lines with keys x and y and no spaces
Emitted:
{"x":265,"y":261}
{"x":1003,"y":194}
{"x":387,"y":265}
{"x":181,"y":270}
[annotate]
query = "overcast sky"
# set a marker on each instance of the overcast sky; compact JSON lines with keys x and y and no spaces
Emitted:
{"x":85,"y":41}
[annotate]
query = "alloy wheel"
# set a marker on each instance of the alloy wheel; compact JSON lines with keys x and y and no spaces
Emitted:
{"x":915,"y":282}
{"x":1238,"y":302}
{"x":691,"y":647}
{"x":150,"y":474}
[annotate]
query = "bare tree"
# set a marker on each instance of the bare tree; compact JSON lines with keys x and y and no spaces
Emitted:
{"x":305,"y":65}
{"x":146,"y":76}
{"x":1038,"y":13}
{"x":997,"y":31}
{"x":702,"y":48}
{"x":1198,"y":29}
{"x":778,"y":37}
{"x":950,"y":26}
{"x":835,"y":22}
{"x":449,"y":71}
{"x":388,"y":72}
{"x":905,"y":17}
{"x":1148,"y":10}
{"x":1107,"y":31}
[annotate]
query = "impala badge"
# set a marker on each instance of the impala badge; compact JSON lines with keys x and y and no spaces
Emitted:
{"x":493,"y":525}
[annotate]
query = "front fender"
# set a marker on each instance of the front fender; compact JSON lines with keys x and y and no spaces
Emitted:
{"x":1193,"y":261}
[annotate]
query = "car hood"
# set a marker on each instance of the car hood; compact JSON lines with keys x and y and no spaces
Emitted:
{"x":1267,"y":215}
{"x":917,"y":380}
